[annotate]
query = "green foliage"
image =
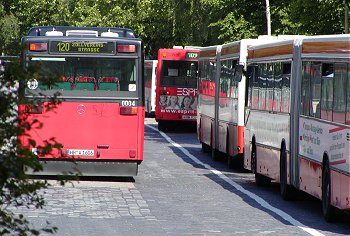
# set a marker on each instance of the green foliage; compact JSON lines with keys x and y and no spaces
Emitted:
{"x":9,"y":34}
{"x":318,"y":16}
{"x":165,"y":23}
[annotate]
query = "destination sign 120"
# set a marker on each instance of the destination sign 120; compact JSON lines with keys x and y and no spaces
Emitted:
{"x":82,"y":47}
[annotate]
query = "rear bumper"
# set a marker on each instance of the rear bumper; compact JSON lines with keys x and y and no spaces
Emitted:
{"x":88,"y":168}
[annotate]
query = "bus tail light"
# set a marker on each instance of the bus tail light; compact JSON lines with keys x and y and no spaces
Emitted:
{"x":34,"y":108}
{"x":128,"y":111}
{"x":38,"y":47}
{"x":126,"y":48}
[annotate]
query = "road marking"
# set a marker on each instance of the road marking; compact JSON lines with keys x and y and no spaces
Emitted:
{"x":238,"y":187}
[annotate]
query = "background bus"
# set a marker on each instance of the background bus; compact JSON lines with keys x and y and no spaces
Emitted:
{"x":150,"y":87}
{"x":221,"y":100}
{"x":176,"y":90}
{"x":100,"y":121}
{"x":298,"y":118}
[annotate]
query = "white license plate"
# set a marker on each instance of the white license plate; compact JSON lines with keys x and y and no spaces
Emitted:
{"x":189,"y":117}
{"x":80,"y":152}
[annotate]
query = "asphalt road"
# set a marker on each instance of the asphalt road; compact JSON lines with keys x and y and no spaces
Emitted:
{"x":180,"y":191}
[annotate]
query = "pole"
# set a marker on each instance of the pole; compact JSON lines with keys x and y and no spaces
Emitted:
{"x":268,"y":17}
{"x":346,"y":16}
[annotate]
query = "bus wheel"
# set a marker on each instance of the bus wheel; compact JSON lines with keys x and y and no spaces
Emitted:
{"x":205,"y":148}
{"x":260,"y":179}
{"x":215,"y":154}
{"x":327,"y":208}
{"x":287,"y":192}
{"x":253,"y":159}
{"x":230,"y":161}
{"x":235,"y":162}
{"x":162,"y":126}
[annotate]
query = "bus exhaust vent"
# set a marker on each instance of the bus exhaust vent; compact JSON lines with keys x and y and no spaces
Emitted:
{"x":85,"y":33}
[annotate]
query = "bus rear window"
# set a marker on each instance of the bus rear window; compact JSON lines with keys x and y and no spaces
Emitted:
{"x":84,"y":74}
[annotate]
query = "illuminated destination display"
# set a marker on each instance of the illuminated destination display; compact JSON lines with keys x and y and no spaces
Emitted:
{"x":82,"y":47}
{"x":191,"y":55}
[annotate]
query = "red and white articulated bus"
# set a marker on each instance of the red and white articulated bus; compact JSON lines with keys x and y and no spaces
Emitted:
{"x":100,"y":120}
{"x":221,"y":100}
{"x":150,"y":87}
{"x":298,"y":118}
{"x":176,"y":89}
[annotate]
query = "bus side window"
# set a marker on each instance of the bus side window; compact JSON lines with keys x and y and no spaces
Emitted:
{"x":262,"y":83}
{"x":339,"y":106}
{"x":255,"y":87}
{"x":315,"y":91}
{"x":285,"y":90}
{"x":249,"y":83}
{"x":305,"y":89}
{"x":327,"y":91}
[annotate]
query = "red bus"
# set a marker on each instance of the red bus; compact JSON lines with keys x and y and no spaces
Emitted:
{"x":176,"y":90}
{"x":100,"y":120}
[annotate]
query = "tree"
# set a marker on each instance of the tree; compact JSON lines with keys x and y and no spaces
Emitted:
{"x":9,"y":34}
{"x":16,"y":159}
{"x":317,"y":16}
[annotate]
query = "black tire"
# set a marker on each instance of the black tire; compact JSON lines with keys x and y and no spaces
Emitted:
{"x":205,"y":148}
{"x":260,"y":179}
{"x":235,"y":162}
{"x":253,"y":159}
{"x":327,"y":208}
{"x":230,"y":161}
{"x":287,"y":192}
{"x":162,"y":126}
{"x":215,"y":154}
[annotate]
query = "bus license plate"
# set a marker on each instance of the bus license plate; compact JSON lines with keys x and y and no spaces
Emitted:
{"x":189,"y":117}
{"x":80,"y":152}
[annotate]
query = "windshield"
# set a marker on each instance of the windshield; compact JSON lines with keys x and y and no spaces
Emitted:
{"x":179,"y":74}
{"x":74,"y":76}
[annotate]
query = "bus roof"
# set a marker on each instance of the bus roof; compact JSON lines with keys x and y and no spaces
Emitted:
{"x":65,"y":30}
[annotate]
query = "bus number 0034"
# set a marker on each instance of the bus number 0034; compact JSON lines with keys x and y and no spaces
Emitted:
{"x":128,"y":103}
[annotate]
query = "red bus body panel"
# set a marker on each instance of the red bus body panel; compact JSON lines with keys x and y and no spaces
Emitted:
{"x":91,"y":126}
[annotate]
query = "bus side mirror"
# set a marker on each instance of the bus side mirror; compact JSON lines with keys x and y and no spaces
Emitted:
{"x":239,"y":71}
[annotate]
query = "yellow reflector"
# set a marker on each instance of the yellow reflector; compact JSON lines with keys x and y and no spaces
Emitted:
{"x":128,"y":111}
